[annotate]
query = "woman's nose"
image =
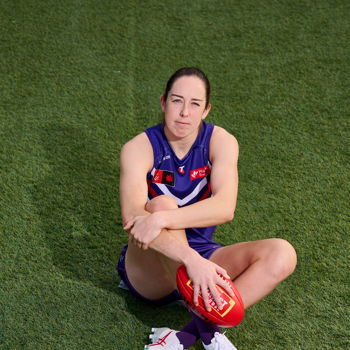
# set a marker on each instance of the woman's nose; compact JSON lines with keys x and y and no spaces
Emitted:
{"x":184,"y":111}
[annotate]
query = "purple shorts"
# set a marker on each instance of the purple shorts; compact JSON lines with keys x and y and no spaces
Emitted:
{"x":205,"y":250}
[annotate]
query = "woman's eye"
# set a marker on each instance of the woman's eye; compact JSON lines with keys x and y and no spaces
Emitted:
{"x":177,"y":100}
{"x":195,"y":104}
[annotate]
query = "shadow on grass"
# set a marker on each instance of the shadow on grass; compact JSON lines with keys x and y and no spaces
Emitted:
{"x":78,"y":205}
{"x":173,"y":316}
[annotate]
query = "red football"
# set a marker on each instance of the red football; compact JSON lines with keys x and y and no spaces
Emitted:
{"x":232,"y":312}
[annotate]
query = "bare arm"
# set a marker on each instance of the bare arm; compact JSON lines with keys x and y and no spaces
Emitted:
{"x":145,"y":230}
{"x":220,"y":207}
{"x":136,"y":160}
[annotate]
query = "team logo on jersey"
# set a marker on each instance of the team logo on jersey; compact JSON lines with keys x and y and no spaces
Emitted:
{"x":181,"y":170}
{"x":164,"y":177}
{"x":199,"y":173}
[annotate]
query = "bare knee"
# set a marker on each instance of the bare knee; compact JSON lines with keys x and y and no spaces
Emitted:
{"x":162,"y":202}
{"x":282,"y":259}
{"x":165,"y":202}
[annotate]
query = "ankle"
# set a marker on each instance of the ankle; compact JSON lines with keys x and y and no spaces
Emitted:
{"x":186,"y":339}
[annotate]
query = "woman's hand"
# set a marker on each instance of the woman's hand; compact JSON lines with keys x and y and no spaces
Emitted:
{"x":205,"y":275}
{"x":143,"y":229}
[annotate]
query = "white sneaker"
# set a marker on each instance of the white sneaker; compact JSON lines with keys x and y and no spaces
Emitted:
{"x":158,"y":333}
{"x":165,"y":339}
{"x":219,"y":342}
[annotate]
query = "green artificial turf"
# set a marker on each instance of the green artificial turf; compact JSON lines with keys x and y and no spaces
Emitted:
{"x":80,"y":78}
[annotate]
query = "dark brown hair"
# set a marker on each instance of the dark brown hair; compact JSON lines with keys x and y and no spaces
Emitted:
{"x":189,"y":71}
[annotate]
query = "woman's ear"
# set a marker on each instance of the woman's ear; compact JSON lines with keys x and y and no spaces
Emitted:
{"x":206,"y":111}
{"x":162,"y":103}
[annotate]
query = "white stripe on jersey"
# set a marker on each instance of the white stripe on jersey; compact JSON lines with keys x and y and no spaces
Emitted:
{"x":181,"y":202}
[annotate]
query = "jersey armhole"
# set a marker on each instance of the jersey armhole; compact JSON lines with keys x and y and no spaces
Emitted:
{"x":207,"y":141}
{"x":155,"y":146}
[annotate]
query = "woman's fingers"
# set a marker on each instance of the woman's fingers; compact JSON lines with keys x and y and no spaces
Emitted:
{"x":209,"y":294}
{"x":224,"y":283}
{"x":206,"y":277}
{"x":216,"y":297}
{"x":223,"y":272}
{"x":128,"y":225}
{"x":222,"y":280}
{"x":137,"y":242}
{"x":144,"y":229}
{"x":205,"y":295}
{"x":196,"y":290}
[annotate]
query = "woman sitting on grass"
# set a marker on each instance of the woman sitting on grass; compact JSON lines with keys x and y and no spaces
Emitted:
{"x":178,"y":180}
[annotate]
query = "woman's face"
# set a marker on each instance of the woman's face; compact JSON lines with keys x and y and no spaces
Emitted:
{"x":184,"y":108}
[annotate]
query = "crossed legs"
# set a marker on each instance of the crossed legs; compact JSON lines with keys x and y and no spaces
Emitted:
{"x":255,"y":267}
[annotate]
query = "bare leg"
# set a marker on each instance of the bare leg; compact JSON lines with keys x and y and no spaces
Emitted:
{"x":151,"y":273}
{"x":257,"y":267}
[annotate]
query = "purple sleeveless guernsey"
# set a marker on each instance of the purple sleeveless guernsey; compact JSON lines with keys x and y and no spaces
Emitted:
{"x":187,"y":180}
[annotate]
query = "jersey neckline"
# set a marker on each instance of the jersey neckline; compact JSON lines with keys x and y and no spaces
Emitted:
{"x":195,"y":143}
